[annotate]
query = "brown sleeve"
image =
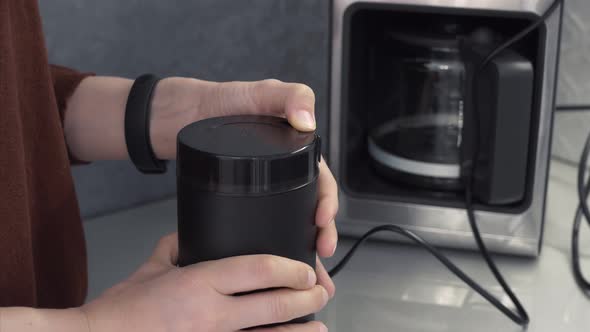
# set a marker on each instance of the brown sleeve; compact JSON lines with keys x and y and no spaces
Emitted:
{"x":65,"y":82}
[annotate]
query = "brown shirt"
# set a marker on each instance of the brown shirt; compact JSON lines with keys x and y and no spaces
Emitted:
{"x":42,"y":252}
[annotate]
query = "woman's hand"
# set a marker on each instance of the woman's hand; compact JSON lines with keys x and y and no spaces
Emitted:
{"x":94,"y":126}
{"x":161,"y":297}
{"x":181,"y":101}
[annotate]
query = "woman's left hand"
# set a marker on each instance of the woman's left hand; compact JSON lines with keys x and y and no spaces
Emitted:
{"x":181,"y":101}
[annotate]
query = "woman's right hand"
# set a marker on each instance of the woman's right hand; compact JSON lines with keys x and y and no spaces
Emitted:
{"x":162,"y":297}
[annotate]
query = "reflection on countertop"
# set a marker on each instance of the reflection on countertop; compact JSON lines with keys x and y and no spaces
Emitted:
{"x":395,"y":287}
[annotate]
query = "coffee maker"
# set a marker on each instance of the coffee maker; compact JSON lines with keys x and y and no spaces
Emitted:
{"x":402,"y":97}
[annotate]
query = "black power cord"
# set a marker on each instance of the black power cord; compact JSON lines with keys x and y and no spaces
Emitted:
{"x":520,"y":317}
{"x":572,"y":108}
{"x":581,"y":211}
{"x":436,"y":253}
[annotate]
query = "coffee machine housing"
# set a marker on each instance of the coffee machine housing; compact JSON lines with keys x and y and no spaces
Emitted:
{"x":516,"y":110}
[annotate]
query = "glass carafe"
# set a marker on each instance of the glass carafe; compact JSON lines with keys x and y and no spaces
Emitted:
{"x":416,"y":118}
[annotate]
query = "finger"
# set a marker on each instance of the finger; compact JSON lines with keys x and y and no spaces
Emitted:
{"x":277,"y":306}
{"x":324,"y":278}
{"x":327,"y":240}
{"x":162,"y":260}
{"x":300,"y":107}
{"x":327,"y":196}
{"x":248,"y":273}
{"x":307,"y":327}
{"x":292,"y":100}
{"x":166,"y":251}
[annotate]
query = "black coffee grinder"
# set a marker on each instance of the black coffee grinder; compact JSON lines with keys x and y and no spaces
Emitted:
{"x":247,"y":185}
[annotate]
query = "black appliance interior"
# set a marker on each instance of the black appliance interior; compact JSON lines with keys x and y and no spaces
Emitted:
{"x":363,"y":41}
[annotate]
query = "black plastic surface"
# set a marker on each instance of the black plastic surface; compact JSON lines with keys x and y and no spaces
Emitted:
{"x":247,"y":155}
{"x":218,"y":172}
{"x":504,"y":104}
{"x":137,"y":126}
{"x":213,"y":226}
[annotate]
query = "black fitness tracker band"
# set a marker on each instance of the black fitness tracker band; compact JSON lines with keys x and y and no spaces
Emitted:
{"x":137,"y":126}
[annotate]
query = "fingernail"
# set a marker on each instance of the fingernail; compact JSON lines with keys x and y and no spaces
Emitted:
{"x":305,"y":119}
{"x":310,"y":278}
{"x":323,"y":328}
{"x":334,"y":250}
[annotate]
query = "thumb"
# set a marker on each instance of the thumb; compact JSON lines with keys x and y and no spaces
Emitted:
{"x":294,"y":101}
{"x":166,"y":251}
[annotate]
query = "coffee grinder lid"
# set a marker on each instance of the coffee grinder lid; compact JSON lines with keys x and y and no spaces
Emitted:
{"x":248,"y":154}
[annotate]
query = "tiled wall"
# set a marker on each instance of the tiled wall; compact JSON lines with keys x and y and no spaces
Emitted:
{"x":574,"y":81}
{"x":238,"y":40}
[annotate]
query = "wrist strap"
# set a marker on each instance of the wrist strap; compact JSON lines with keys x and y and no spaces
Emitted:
{"x":137,"y":126}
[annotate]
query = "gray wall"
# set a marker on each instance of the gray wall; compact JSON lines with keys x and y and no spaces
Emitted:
{"x":237,"y":40}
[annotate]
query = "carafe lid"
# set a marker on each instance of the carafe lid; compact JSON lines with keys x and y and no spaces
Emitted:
{"x":247,"y":154}
{"x":426,"y":39}
{"x":437,"y":35}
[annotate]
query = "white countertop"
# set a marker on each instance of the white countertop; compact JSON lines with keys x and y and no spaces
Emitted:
{"x":393,"y":287}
